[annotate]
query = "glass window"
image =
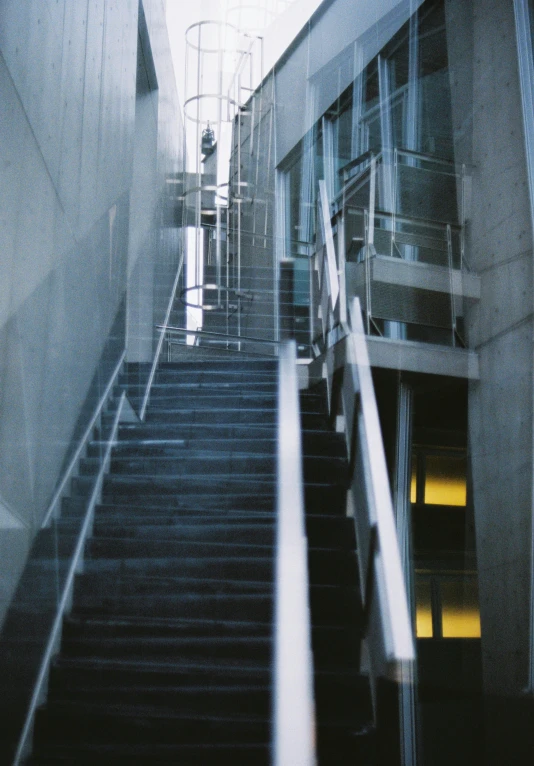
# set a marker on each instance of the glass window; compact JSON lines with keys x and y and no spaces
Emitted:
{"x":423,"y":608}
{"x":413,"y":482}
{"x":460,"y":613}
{"x":445,"y":480}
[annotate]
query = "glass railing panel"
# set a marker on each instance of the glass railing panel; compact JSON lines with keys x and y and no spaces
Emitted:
{"x":426,"y":193}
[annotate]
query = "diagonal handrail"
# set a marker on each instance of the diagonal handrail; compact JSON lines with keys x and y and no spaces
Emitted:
{"x":389,"y":624}
{"x":161,"y":339}
{"x":66,"y":594}
{"x":293,"y":720}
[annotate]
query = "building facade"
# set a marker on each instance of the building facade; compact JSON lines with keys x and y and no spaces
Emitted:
{"x":406,"y":131}
{"x":416,"y":120}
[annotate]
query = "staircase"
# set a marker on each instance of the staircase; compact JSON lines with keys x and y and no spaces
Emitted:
{"x":342,"y":696}
{"x":166,"y":655}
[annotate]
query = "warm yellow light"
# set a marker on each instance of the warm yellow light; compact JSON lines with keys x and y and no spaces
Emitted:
{"x":445,"y":482}
{"x":423,"y":622}
{"x":423,"y":609}
{"x":413,"y":485}
{"x":461,"y":623}
{"x":460,"y":616}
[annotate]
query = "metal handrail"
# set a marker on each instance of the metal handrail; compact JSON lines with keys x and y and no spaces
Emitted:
{"x":389,"y":624}
{"x":160,"y":341}
{"x":209,"y":333}
{"x":429,"y":223}
{"x":293,"y":719}
{"x":387,"y":617}
{"x":53,"y":505}
{"x":66,"y":594}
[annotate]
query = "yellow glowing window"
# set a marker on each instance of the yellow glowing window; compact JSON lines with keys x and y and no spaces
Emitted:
{"x":445,"y":480}
{"x":413,"y":484}
{"x":460,"y":614}
{"x":423,"y":609}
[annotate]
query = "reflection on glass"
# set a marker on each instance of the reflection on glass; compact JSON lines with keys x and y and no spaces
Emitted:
{"x":413,"y":483}
{"x":460,"y":610}
{"x":423,"y":609}
{"x":445,"y":482}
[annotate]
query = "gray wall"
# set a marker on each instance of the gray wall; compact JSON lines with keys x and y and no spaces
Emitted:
{"x":68,"y":140}
{"x":500,"y":329}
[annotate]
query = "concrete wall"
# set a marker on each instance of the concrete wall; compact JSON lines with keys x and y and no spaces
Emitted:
{"x":500,"y":329}
{"x":68,"y":126}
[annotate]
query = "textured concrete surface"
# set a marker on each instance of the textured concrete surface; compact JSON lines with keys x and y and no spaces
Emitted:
{"x":72,"y":143}
{"x":500,"y":329}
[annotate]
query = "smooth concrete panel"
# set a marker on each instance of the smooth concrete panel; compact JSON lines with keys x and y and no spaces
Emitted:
{"x":459,"y":24}
{"x":140,"y":317}
{"x":31,"y":35}
{"x":52,"y":347}
{"x":67,"y":125}
{"x":144,"y":197}
{"x":505,"y":299}
{"x":33,"y":228}
{"x":485,"y":95}
{"x":70,"y":122}
{"x":500,"y":329}
{"x":14,"y":547}
{"x":500,"y":433}
{"x":89,"y":204}
{"x":118,"y":99}
{"x":73,"y":67}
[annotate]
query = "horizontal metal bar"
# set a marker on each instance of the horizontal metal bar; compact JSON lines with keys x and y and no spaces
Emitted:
{"x":429,"y":223}
{"x":364,"y":157}
{"x":222,"y":335}
{"x":425,"y":157}
{"x":221,"y":349}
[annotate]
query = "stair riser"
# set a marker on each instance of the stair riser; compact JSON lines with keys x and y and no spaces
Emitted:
{"x":210,"y":701}
{"x":100,"y":585}
{"x":251,"y":608}
{"x":163,"y":549}
{"x":216,"y":567}
{"x":64,"y":726}
{"x":180,"y":466}
{"x":201,"y":651}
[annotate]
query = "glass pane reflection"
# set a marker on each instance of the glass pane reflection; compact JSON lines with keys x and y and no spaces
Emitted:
{"x":445,"y":480}
{"x":423,"y":609}
{"x":460,"y":612}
